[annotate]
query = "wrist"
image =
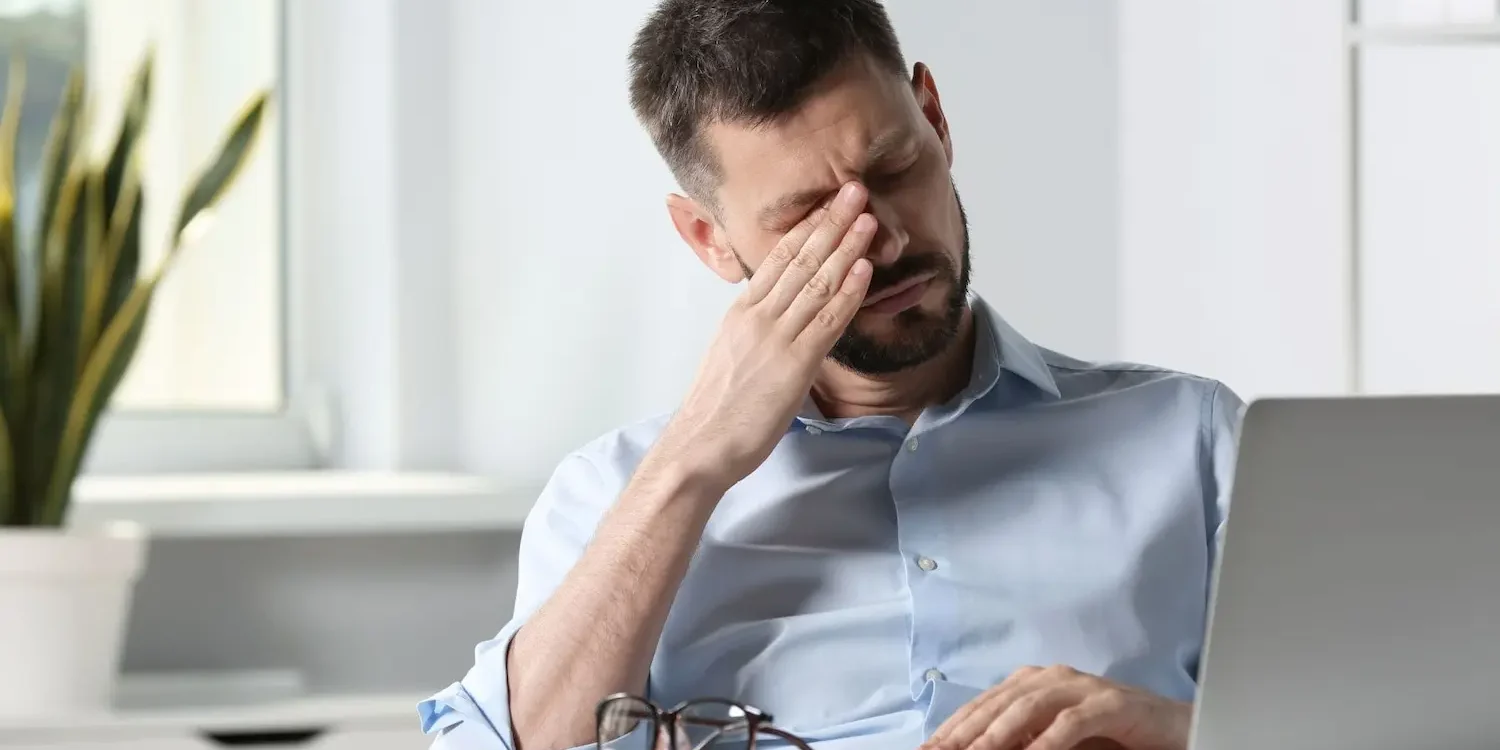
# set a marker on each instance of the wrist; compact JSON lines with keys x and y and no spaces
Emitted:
{"x":686,"y":470}
{"x":691,"y":457}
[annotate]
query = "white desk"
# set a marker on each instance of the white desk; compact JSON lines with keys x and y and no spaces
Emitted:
{"x":372,"y":722}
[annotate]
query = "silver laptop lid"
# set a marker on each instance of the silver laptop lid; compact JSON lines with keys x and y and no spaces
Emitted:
{"x":1357,"y":601}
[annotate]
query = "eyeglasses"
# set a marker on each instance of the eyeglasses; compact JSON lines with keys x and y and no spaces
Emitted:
{"x":626,"y":721}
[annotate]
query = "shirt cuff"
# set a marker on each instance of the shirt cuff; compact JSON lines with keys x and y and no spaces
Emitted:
{"x":479,"y":703}
{"x":474,"y":713}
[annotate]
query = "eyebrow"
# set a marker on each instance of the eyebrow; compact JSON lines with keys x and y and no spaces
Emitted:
{"x":881,"y":149}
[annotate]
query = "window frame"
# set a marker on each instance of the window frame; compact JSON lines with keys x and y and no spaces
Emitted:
{"x":136,"y":441}
{"x":1360,"y":35}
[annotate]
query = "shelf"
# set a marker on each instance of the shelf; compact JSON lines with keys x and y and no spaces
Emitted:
{"x":300,"y":503}
{"x":1396,"y":34}
{"x":320,"y":712}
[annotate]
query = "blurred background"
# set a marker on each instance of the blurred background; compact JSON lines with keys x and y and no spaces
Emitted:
{"x":450,"y":263}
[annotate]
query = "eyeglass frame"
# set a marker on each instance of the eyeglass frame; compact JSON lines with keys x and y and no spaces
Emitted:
{"x":755,"y":719}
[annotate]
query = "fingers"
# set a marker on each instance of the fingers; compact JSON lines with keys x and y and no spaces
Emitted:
{"x":963,"y":728}
{"x":1062,"y":709}
{"x":829,"y":323}
{"x":970,"y":716}
{"x":825,"y":238}
{"x":765,"y":277}
{"x":1074,"y":726}
{"x":821,"y":288}
{"x":1017,"y":724}
{"x":943,"y":737}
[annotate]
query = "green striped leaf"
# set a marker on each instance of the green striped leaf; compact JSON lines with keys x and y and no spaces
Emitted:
{"x":132,"y":125}
{"x":55,"y":367}
{"x":233,"y":152}
{"x":10,"y":123}
{"x":10,"y":288}
{"x":102,"y":374}
{"x":121,"y":269}
{"x":110,"y":357}
{"x":57,"y":162}
{"x":11,"y":511}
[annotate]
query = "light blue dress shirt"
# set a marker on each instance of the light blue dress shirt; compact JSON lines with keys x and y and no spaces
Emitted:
{"x":871,"y":578}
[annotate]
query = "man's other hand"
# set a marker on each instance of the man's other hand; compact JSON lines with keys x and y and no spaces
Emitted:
{"x":1059,"y":708}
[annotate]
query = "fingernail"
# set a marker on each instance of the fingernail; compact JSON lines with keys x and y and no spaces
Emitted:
{"x":864,"y":223}
{"x":861,"y":267}
{"x":849,"y":195}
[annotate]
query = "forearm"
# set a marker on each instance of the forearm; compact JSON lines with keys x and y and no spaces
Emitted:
{"x":597,"y":634}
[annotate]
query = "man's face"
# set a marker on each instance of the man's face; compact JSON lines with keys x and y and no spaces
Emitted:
{"x":868,"y":125}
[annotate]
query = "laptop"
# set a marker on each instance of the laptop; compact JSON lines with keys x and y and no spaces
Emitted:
{"x":1357,"y":592}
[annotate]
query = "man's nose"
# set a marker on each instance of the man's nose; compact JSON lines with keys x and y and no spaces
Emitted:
{"x":891,"y":237}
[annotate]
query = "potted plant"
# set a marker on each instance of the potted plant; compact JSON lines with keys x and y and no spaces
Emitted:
{"x":73,"y":306}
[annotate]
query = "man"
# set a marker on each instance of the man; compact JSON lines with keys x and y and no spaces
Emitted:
{"x":880,"y":513}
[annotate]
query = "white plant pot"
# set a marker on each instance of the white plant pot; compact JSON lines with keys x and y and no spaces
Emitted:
{"x":65,"y":597}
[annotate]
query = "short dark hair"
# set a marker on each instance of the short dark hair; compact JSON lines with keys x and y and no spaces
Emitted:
{"x":742,"y":61}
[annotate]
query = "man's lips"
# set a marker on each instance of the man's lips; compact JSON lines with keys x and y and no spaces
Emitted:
{"x":896,"y":289}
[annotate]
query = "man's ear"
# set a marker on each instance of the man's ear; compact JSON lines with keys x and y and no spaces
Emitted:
{"x":701,"y":231}
{"x":925,"y":87}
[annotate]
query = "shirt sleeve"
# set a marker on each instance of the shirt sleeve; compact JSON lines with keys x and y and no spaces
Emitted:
{"x":474,"y":713}
{"x":1222,"y":426}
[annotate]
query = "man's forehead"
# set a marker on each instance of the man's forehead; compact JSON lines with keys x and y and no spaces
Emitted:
{"x":812,"y":149}
{"x":841,"y":117}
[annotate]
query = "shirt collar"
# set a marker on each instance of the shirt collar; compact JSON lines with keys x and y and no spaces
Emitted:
{"x":997,"y":348}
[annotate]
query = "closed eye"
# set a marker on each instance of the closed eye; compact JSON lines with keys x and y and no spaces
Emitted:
{"x":894,"y":177}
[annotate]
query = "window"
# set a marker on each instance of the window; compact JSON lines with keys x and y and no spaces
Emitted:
{"x":214,"y":339}
{"x":1426,"y":183}
{"x":209,"y":388}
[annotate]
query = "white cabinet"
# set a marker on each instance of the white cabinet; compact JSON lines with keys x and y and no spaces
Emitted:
{"x":1429,"y":177}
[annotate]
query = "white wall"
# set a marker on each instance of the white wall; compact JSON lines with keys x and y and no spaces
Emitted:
{"x":1161,"y":182}
{"x":1234,"y":257}
{"x":1032,"y":95}
{"x":566,"y":263}
{"x":1430,"y":175}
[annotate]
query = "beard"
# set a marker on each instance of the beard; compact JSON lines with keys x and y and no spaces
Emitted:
{"x":918,"y":335}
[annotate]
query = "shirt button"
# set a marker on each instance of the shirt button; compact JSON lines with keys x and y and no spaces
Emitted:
{"x":811,"y":430}
{"x":911,"y":445}
{"x":926,"y":563}
{"x":933,"y":675}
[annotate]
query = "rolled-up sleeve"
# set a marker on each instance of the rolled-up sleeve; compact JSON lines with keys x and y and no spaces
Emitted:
{"x":1226,"y":414}
{"x":474,"y":713}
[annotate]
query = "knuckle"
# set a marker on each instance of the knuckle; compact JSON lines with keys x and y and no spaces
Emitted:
{"x":806,"y":262}
{"x":1029,"y":671}
{"x":1027,"y":704}
{"x":1070,"y":721}
{"x":818,"y":288}
{"x":828,"y":318}
{"x":1112,"y":700}
{"x":782,"y":254}
{"x":997,"y":735}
